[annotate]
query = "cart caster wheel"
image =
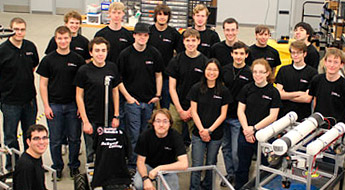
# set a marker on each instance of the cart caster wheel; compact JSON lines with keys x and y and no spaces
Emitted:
{"x":286,"y":184}
{"x":80,"y":182}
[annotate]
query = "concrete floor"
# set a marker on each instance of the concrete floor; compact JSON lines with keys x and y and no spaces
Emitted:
{"x":40,"y":28}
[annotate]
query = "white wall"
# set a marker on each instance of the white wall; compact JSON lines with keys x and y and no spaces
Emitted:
{"x":70,"y":4}
{"x":15,"y":2}
{"x":247,"y":11}
{"x":254,"y":11}
{"x":42,"y":5}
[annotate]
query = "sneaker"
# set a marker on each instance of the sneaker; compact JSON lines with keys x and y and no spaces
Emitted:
{"x":74,"y":172}
{"x":229,"y":178}
{"x":58,"y":175}
{"x":64,"y":149}
{"x":132,"y":171}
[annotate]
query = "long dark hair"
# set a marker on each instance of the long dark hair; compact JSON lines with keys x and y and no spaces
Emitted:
{"x":218,"y":87}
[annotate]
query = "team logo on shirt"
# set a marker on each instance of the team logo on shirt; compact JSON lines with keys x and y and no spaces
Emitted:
{"x":217,"y":97}
{"x":303,"y":81}
{"x":110,"y":130}
{"x":167,"y":148}
{"x":100,"y":130}
{"x":266,"y":97}
{"x":198,"y":70}
{"x":123,"y":40}
{"x":335,"y":94}
{"x":149,"y":62}
{"x":111,"y":144}
{"x":29,"y":53}
{"x":71,"y":65}
{"x":79,"y":48}
{"x":166,"y":40}
{"x":243,"y":77}
{"x":205,"y":45}
{"x":269,"y":59}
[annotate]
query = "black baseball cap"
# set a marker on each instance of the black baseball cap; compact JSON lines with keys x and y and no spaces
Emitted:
{"x":141,"y":28}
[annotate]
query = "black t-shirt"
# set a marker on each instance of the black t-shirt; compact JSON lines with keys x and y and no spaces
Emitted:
{"x":234,"y":79}
{"x":28,"y":173}
{"x":113,"y":148}
{"x":138,"y":71}
{"x":91,"y":79}
{"x":330,"y":96}
{"x":187,"y":71}
{"x":269,"y":53}
{"x":79,"y":44}
{"x":118,"y":39}
{"x":208,"y":37}
{"x":295,"y":80}
{"x":209,"y":107}
{"x":16,"y":72}
{"x":60,"y":71}
{"x":160,"y":151}
{"x":259,"y":101}
{"x":165,"y":41}
{"x":222,"y":53}
{"x":313,"y":57}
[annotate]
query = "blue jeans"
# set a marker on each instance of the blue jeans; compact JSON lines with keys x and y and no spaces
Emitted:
{"x":64,"y":122}
{"x":232,"y":129}
{"x":172,"y":180}
{"x":198,"y":149}
{"x":166,"y":100}
{"x":12,"y":114}
{"x":136,"y":122}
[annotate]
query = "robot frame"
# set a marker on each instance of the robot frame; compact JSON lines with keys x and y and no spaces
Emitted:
{"x":310,"y":153}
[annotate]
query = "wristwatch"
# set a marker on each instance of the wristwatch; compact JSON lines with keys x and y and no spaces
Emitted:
{"x":254,"y":129}
{"x":116,"y":116}
{"x":145,"y":178}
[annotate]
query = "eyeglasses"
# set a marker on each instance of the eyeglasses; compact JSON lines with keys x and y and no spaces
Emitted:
{"x":19,"y":29}
{"x":259,"y":72}
{"x":165,"y":122}
{"x":44,"y":138}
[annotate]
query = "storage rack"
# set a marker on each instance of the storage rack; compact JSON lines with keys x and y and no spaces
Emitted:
{"x":179,"y":11}
{"x":132,"y":6}
{"x":333,"y":23}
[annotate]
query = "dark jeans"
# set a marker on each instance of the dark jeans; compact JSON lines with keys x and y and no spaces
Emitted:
{"x":122,"y":125}
{"x":232,"y":129}
{"x":166,"y":100}
{"x":12,"y":114}
{"x":137,"y":122}
{"x":246,"y":151}
{"x":65,"y":121}
{"x":88,"y":138}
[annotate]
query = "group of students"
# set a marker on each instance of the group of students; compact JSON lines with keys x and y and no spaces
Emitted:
{"x":220,"y":92}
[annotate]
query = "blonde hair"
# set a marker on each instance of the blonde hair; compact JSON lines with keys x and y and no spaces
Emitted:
{"x":262,"y":61}
{"x":200,"y":7}
{"x":117,"y":6}
{"x":336,"y":52}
